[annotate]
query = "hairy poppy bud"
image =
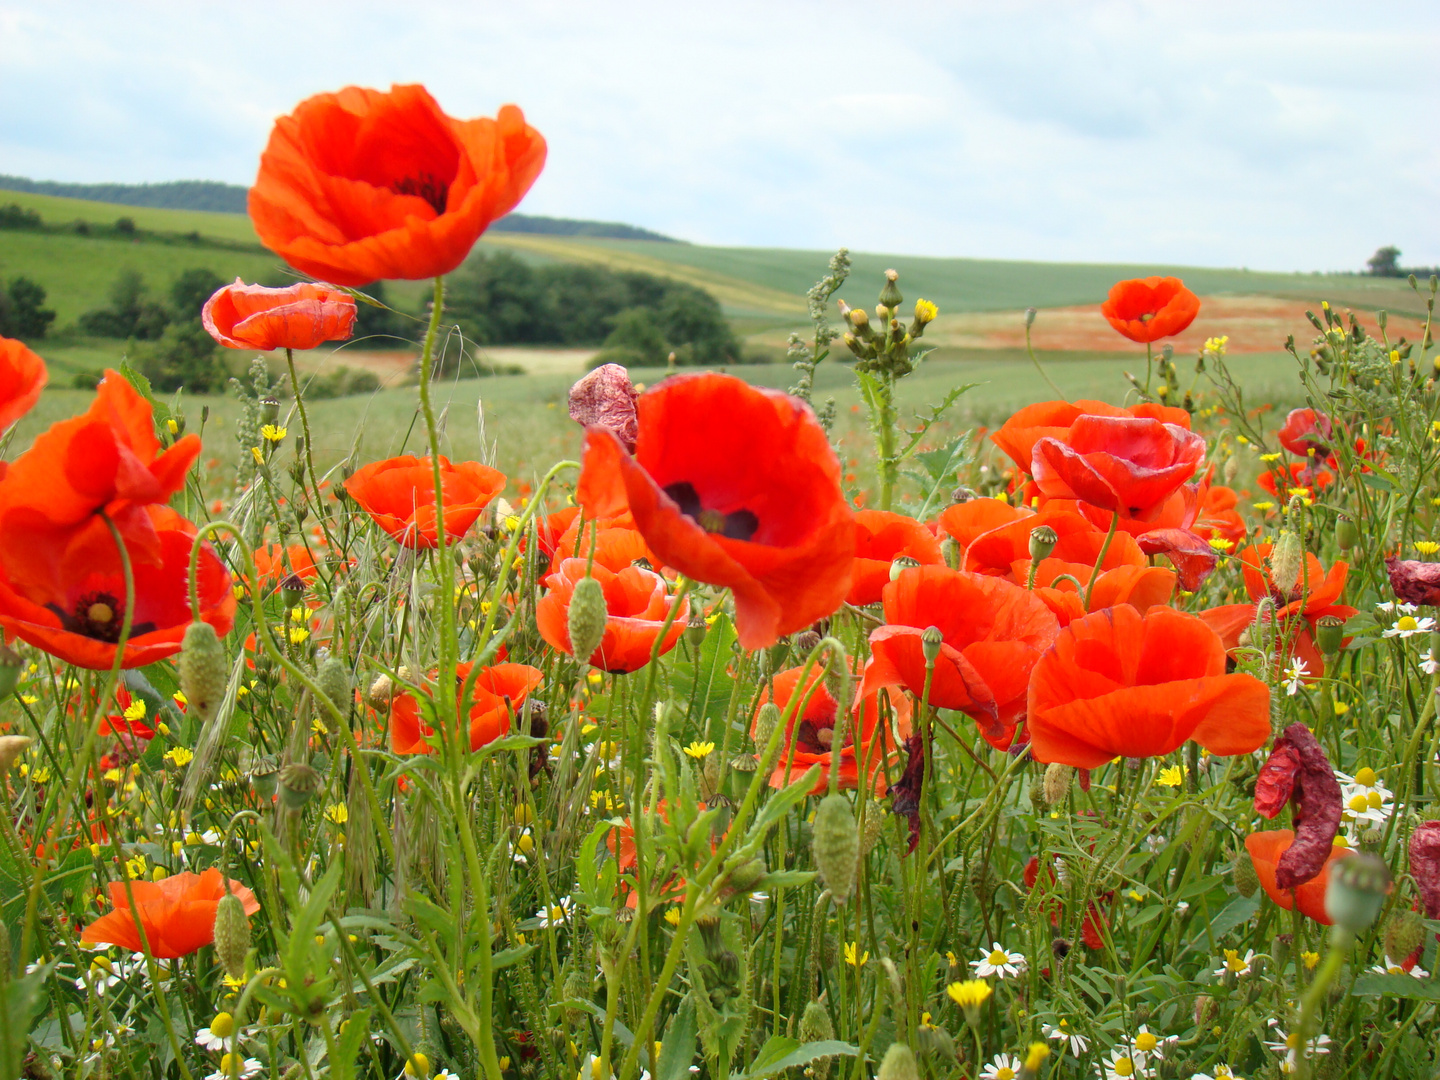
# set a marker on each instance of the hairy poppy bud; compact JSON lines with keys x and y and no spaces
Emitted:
{"x":743,"y":877}
{"x":9,"y":670}
{"x":232,"y":935}
{"x":1329,"y":633}
{"x":1347,"y":533}
{"x":873,"y":826}
{"x":899,"y":1063}
{"x":836,"y":846}
{"x":930,"y":642}
{"x":1057,"y":782}
{"x":900,"y":564}
{"x":1242,"y":873}
{"x":1404,"y":934}
{"x":264,"y":778}
{"x":586,"y":618}
{"x":890,"y":295}
{"x":1287,"y":560}
{"x":333,"y":678}
{"x":765,"y":722}
{"x":1356,"y":892}
{"x":1042,"y":542}
{"x":816,"y":1026}
{"x":204,"y":670}
{"x":298,"y":784}
{"x":11,"y":747}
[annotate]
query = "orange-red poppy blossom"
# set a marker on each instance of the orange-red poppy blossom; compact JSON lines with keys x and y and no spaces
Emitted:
{"x":1296,"y":477}
{"x":275,"y":562}
{"x":79,"y":618}
{"x":734,"y":486}
{"x":363,"y":184}
{"x":399,"y":495}
{"x":1142,"y":587}
{"x":992,"y":632}
{"x":1306,"y":433}
{"x":880,"y":538}
{"x":811,"y":733}
{"x":299,"y":316}
{"x":612,"y":546}
{"x":1265,"y":849}
{"x":177,"y":914}
{"x":499,"y":695}
{"x":22,"y":377}
{"x":1126,"y":465}
{"x":996,"y":539}
{"x":636,"y":603}
{"x":1019,"y":434}
{"x":1151,"y":308}
{"x":1120,"y":684}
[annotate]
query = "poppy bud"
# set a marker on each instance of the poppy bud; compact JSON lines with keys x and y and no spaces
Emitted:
{"x":930,"y":642}
{"x":204,"y":670}
{"x":1356,"y":892}
{"x":1232,"y":469}
{"x":1329,"y":633}
{"x":1242,"y":874}
{"x":899,"y":1063}
{"x":765,"y":722}
{"x":1029,"y":317}
{"x":900,"y":564}
{"x":1347,"y":533}
{"x":333,"y":678}
{"x":1286,"y":563}
{"x":11,"y":747}
{"x":1057,"y":782}
{"x":1204,"y":1010}
{"x":1404,"y":933}
{"x":264,"y":778}
{"x":742,"y":878}
{"x":836,"y":846}
{"x":9,"y":670}
{"x":232,"y":935}
{"x":890,"y":295}
{"x":577,"y":987}
{"x":586,"y":618}
{"x":816,"y":1026}
{"x":1042,"y":542}
{"x":934,"y":1042}
{"x":298,"y":784}
{"x":873,"y":826}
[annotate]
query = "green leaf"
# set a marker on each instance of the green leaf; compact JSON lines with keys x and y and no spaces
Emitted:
{"x":937,"y":463}
{"x":1233,"y":914}
{"x":704,"y":682}
{"x":780,"y":1053}
{"x":133,"y":376}
{"x":780,"y":803}
{"x":677,"y":1049}
{"x":507,"y":957}
{"x":20,"y":1003}
{"x":1374,"y":984}
{"x":352,"y":1036}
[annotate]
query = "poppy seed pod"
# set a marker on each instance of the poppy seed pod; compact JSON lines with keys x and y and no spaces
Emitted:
{"x":1347,"y":533}
{"x":1357,"y":892}
{"x":816,"y":1026}
{"x":765,"y":721}
{"x":232,"y":935}
{"x":1287,"y":560}
{"x":930,"y":642}
{"x":900,"y":564}
{"x":899,"y":1063}
{"x":890,"y":295}
{"x":292,"y":590}
{"x":1329,"y":633}
{"x":586,"y":618}
{"x":264,"y":778}
{"x":1042,"y":542}
{"x":298,"y":784}
{"x":836,"y":846}
{"x":204,"y":670}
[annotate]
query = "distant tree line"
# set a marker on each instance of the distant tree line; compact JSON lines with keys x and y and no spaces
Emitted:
{"x":1386,"y":263}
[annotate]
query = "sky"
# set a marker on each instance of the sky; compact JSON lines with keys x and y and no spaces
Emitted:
{"x":1272,"y":135}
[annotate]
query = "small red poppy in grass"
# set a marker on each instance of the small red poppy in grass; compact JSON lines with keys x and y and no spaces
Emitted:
{"x":1265,"y":849}
{"x":734,"y":486}
{"x":1297,"y":478}
{"x":1120,"y":684}
{"x":1019,"y":434}
{"x":274,"y":563}
{"x":177,"y":914}
{"x":362,"y":185}
{"x":399,"y":495}
{"x":1151,"y":308}
{"x":1094,"y":924}
{"x":299,"y":316}
{"x":613,"y":547}
{"x":811,"y":734}
{"x":78,"y":619}
{"x":22,"y":377}
{"x":1128,"y":466}
{"x":1306,"y":433}
{"x":992,"y":632}
{"x":636,"y":602}
{"x":880,"y":538}
{"x":499,"y":694}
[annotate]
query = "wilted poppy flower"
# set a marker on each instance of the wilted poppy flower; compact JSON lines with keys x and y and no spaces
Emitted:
{"x":399,"y":495}
{"x":1019,"y":434}
{"x":734,"y":486}
{"x":880,"y":538}
{"x":499,"y":694}
{"x":78,"y":619}
{"x":811,"y":734}
{"x":1119,"y":684}
{"x":1151,"y":308}
{"x":1306,"y":433}
{"x":22,"y":377}
{"x":992,"y":632}
{"x":1413,"y":582}
{"x":107,"y":459}
{"x":300,"y":316}
{"x":1129,"y":466}
{"x":363,"y":185}
{"x":177,"y":914}
{"x":1265,"y":849}
{"x":636,"y":605}
{"x":606,"y":398}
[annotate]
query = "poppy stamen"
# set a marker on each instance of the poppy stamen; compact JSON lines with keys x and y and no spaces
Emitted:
{"x":426,"y":186}
{"x":736,"y":525}
{"x":98,"y":615}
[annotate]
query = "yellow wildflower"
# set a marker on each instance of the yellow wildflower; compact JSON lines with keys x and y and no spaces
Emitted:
{"x":699,"y":750}
{"x":271,"y":433}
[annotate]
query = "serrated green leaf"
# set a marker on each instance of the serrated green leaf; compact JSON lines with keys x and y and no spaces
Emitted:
{"x":780,"y":1053}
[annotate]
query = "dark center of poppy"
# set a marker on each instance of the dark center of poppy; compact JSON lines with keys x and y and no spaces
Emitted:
{"x":98,"y":615}
{"x":736,"y":525}
{"x":817,"y":736}
{"x":427,"y":186}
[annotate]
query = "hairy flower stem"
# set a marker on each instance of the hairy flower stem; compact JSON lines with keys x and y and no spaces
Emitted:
{"x":1341,"y":942}
{"x":885,"y":432}
{"x":1100,"y":559}
{"x":305,"y":428}
{"x":1036,"y":361}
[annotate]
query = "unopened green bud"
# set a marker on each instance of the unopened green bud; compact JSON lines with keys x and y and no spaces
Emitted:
{"x":1042,"y":542}
{"x":1057,"y":782}
{"x":1242,"y":873}
{"x":899,"y":1063}
{"x":872,"y":826}
{"x":1404,"y":933}
{"x":900,"y":564}
{"x":816,"y":1026}
{"x":930,"y":642}
{"x":1029,"y":317}
{"x":298,"y":784}
{"x":836,"y":846}
{"x":1287,"y":561}
{"x":765,"y":722}
{"x":1347,"y":533}
{"x":890,"y":295}
{"x":1356,"y":891}
{"x":10,"y":666}
{"x":586,"y":618}
{"x":204,"y":670}
{"x":333,"y":678}
{"x":232,"y":935}
{"x":1329,"y":633}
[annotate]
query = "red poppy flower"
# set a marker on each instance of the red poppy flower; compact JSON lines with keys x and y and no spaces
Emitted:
{"x":107,"y":459}
{"x":1019,"y":434}
{"x":177,"y":914}
{"x":1265,"y":849}
{"x":881,"y":538}
{"x":399,"y":495}
{"x":1127,"y":465}
{"x":1306,"y":433}
{"x":1142,"y":587}
{"x":997,"y":540}
{"x":1218,"y":518}
{"x":613,"y":547}
{"x":22,"y":377}
{"x":78,"y":619}
{"x":1296,"y":475}
{"x":1148,"y":309}
{"x":300,"y":316}
{"x":499,"y":694}
{"x":363,"y":185}
{"x":121,"y":726}
{"x":992,"y":632}
{"x":636,"y":603}
{"x":733,"y":486}
{"x":1119,"y":684}
{"x":1094,"y":924}
{"x":809,"y":737}
{"x":274,"y":563}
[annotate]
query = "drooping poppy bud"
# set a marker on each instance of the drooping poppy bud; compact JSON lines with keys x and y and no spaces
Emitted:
{"x":1357,"y":892}
{"x":232,"y":935}
{"x":899,"y":1063}
{"x":1242,"y":873}
{"x":1287,"y":561}
{"x":204,"y":670}
{"x":765,"y":721}
{"x":1057,"y":782}
{"x":1404,"y":934}
{"x":586,"y":618}
{"x":333,"y":678}
{"x":836,"y":846}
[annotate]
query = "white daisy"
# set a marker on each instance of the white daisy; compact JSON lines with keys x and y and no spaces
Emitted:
{"x":1295,"y":677}
{"x":247,"y":1068}
{"x":1001,"y":1067}
{"x":1147,"y":1045}
{"x":1390,"y":967}
{"x":1123,"y":1065}
{"x":556,"y":915}
{"x":1234,"y":965}
{"x":1061,"y":1032}
{"x":102,"y":975}
{"x":1288,"y":1045}
{"x":1365,"y":801}
{"x":1428,"y":663}
{"x":999,"y":962}
{"x":1222,"y":1072}
{"x":1408,"y":626}
{"x":1390,"y":605}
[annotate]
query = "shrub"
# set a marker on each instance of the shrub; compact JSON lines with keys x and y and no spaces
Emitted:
{"x":22,"y":310}
{"x":15,"y":216}
{"x":184,"y":356}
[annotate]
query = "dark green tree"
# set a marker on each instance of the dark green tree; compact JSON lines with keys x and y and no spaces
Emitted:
{"x":131,"y":313}
{"x":638,"y":337}
{"x":1385,"y":262}
{"x":23,"y":313}
{"x":190,"y":290}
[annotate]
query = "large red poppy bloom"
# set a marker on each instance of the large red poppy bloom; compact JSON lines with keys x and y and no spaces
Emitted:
{"x":399,"y":495}
{"x":733,"y":486}
{"x":78,"y":618}
{"x":880,"y":538}
{"x":300,"y":316}
{"x":811,"y":733}
{"x":996,"y":538}
{"x":499,"y":694}
{"x":1119,"y":684}
{"x":177,"y":914}
{"x":1127,"y":465}
{"x":636,"y":604}
{"x":992,"y":632}
{"x":1265,"y":849}
{"x":613,"y":547}
{"x":1148,"y":309}
{"x":363,"y":185}
{"x":1019,"y":434}
{"x":22,"y":377}
{"x":1142,"y":587}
